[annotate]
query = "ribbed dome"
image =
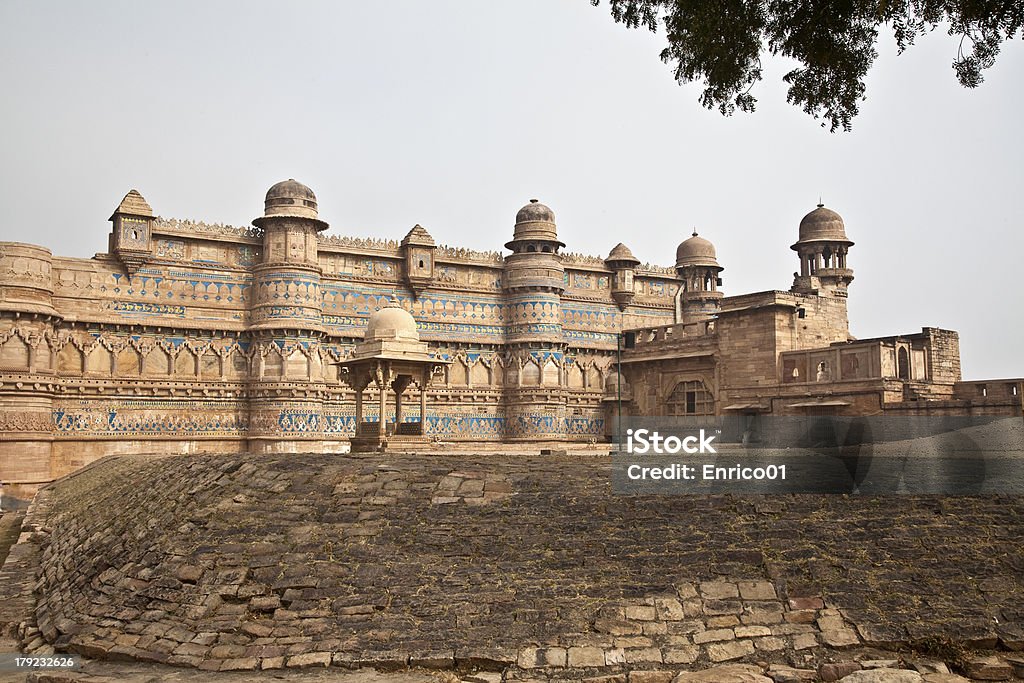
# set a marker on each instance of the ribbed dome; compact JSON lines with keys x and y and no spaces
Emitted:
{"x":392,"y":322}
{"x":535,"y":221}
{"x":696,"y":251}
{"x":620,"y":252}
{"x":290,"y":198}
{"x":822,"y":225}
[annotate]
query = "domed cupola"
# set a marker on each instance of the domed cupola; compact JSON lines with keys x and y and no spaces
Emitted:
{"x":290,"y":199}
{"x":535,"y":227}
{"x":699,"y":271}
{"x":822,"y":248}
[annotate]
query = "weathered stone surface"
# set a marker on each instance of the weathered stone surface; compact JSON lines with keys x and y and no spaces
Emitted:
{"x":446,"y":580}
{"x":989,"y":669}
{"x":732,"y":673}
{"x":721,"y":652}
{"x":835,"y":671}
{"x":883,"y":676}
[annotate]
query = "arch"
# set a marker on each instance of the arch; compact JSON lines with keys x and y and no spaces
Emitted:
{"x":70,"y":360}
{"x":479,"y":374}
{"x":14,"y":354}
{"x":574,"y":376}
{"x":237,"y":366}
{"x":273,"y":364}
{"x":99,"y":361}
{"x":209,"y":365}
{"x":531,"y":373}
{"x":156,"y":363}
{"x":690,"y":397}
{"x":185,"y":363}
{"x":903,"y":363}
{"x":552,"y":373}
{"x":43,"y":361}
{"x":128,"y":361}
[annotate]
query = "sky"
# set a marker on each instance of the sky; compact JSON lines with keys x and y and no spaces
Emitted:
{"x":453,"y":114}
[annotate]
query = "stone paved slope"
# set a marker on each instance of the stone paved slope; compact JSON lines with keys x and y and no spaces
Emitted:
{"x":228,"y":562}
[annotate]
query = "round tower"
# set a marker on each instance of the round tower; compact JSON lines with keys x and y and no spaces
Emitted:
{"x":533,"y":281}
{"x":697,"y":266}
{"x":822,"y":249}
{"x":534,"y":278}
{"x":286,"y":324}
{"x":623,"y":264}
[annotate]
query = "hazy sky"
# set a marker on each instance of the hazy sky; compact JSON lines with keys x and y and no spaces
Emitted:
{"x":454,"y":114}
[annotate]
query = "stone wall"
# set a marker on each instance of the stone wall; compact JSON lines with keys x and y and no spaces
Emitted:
{"x":245,"y":562}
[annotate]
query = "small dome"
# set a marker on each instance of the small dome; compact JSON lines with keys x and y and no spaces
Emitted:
{"x":822,"y":225}
{"x":392,"y":322}
{"x":696,"y":251}
{"x":290,"y":198}
{"x":535,"y":221}
{"x":620,"y":252}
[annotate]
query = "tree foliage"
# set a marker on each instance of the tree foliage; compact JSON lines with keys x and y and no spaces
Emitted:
{"x":721,"y":42}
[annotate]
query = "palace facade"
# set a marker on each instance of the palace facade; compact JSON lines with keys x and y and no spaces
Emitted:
{"x":186,"y":337}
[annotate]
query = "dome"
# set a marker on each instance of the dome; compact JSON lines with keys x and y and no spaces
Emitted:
{"x":696,"y":251}
{"x":290,"y":198}
{"x":823,"y":225}
{"x":620,"y":252}
{"x":535,"y":221}
{"x":392,"y":322}
{"x":535,"y":211}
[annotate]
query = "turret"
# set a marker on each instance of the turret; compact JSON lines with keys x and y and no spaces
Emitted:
{"x":419,"y":247}
{"x":534,"y":277}
{"x":623,"y":264}
{"x":131,"y":237}
{"x":822,"y":250}
{"x":697,"y":266}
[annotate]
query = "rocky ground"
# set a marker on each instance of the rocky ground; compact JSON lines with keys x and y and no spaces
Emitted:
{"x":528,"y":568}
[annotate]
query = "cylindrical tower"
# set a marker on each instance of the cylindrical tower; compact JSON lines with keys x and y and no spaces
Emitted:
{"x":27,"y":386}
{"x":697,"y":266}
{"x":533,"y":281}
{"x":286,"y":324}
{"x":822,"y":248}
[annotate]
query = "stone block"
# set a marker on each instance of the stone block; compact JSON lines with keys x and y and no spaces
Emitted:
{"x":651,"y":676}
{"x":583,"y":657}
{"x":680,"y":655}
{"x":804,"y":641}
{"x":989,"y":669}
{"x":752,"y":631}
{"x":835,"y":671}
{"x":647,"y":655}
{"x":843,"y":637}
{"x":641,"y":613}
{"x":721,"y":652}
{"x":719,"y":590}
{"x":757,"y":590}
{"x":770,"y":644}
{"x":309,"y":659}
{"x":714,"y":636}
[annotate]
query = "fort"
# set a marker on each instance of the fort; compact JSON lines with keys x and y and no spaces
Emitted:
{"x":264,"y":354}
{"x":186,"y":337}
